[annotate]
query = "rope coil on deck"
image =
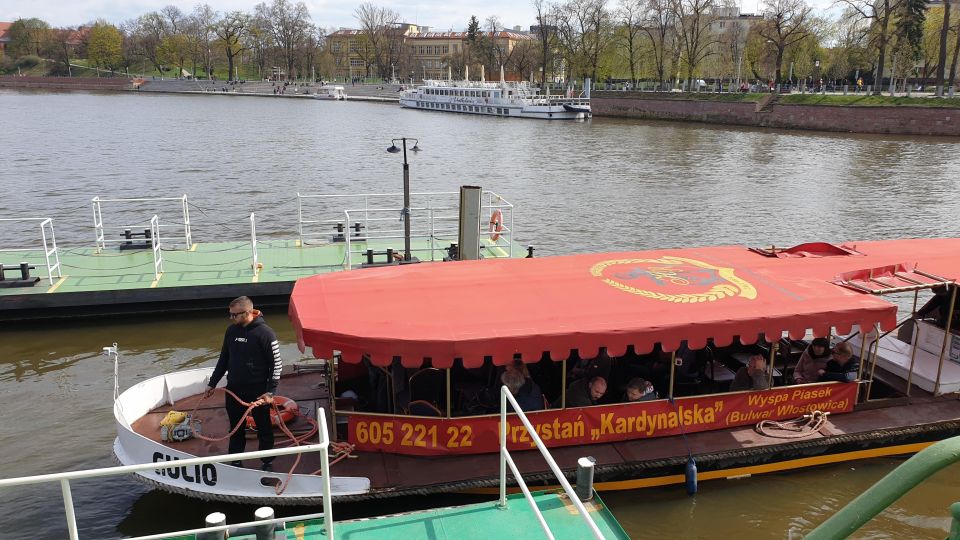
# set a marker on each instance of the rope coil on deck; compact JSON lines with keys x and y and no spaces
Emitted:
{"x":797,"y":428}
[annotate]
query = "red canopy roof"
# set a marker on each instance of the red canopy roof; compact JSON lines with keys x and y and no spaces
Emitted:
{"x":501,"y":307}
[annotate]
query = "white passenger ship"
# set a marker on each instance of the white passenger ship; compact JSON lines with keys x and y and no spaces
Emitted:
{"x":507,"y":99}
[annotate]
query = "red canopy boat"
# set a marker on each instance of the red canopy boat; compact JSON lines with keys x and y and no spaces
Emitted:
{"x":499,"y":308}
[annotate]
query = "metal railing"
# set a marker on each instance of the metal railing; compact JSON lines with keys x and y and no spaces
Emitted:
{"x":436,"y":219}
{"x":49,"y":245}
{"x":890,"y":488}
{"x":100,"y":229}
{"x":506,"y":459}
{"x":155,"y":247}
{"x":64,"y":480}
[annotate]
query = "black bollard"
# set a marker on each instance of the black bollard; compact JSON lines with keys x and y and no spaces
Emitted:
{"x":529,"y":252}
{"x":584,"y":487}
{"x":25,"y":270}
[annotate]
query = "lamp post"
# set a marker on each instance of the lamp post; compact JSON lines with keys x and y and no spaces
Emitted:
{"x":405,"y":213}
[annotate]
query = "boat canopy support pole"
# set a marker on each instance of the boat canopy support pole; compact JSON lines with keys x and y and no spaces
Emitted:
{"x":333,"y":395}
{"x":873,"y":360}
{"x":773,"y":357}
{"x":563,"y":386}
{"x":449,"y":369}
{"x":914,"y":340}
{"x":673,"y":370}
{"x":946,"y":338}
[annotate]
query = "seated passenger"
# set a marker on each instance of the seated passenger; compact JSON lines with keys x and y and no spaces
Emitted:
{"x":753,"y":376}
{"x":586,"y":392}
{"x":598,"y":366}
{"x":812,"y":362}
{"x":524,"y":390}
{"x":640,"y":390}
{"x":842,"y":367}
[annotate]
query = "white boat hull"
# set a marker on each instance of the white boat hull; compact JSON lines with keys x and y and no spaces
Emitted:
{"x":543,"y":112}
{"x":210,"y":481}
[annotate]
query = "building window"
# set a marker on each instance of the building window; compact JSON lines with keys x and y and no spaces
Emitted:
{"x":355,"y":62}
{"x":444,"y":50}
{"x":354,"y":47}
{"x":336,"y":46}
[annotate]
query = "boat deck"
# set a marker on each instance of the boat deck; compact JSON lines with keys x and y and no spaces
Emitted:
{"x":123,"y":281}
{"x":482,"y":520}
{"x":877,"y":428}
{"x":895,"y":355}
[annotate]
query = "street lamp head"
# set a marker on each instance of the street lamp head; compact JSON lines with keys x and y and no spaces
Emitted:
{"x":416,"y":147}
{"x":393,"y":149}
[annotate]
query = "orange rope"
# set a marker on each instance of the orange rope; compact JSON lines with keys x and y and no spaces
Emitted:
{"x":295,"y":440}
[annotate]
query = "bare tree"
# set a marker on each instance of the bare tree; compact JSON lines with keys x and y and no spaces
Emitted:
{"x":203,"y":18}
{"x":232,"y":31}
{"x":660,"y":29}
{"x":693,"y":18}
{"x":384,"y":39}
{"x":583,"y":32}
{"x":629,"y":17}
{"x":785,"y":23}
{"x":545,"y":32}
{"x":523,"y":58}
{"x":289,"y":25}
{"x":879,"y":14}
{"x":59,"y":47}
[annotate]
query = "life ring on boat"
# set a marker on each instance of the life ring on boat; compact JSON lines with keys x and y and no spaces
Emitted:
{"x":288,"y":410}
{"x":496,"y":224}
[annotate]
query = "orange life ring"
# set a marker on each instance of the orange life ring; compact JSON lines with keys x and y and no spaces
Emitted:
{"x":288,"y":410}
{"x":496,"y":224}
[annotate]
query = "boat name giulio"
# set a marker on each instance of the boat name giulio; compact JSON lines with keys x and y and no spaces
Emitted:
{"x":202,"y":474}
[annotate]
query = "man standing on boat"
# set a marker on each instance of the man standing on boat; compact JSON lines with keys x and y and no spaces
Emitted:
{"x":250,"y":357}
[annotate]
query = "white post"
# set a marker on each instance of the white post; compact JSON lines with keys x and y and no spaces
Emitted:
{"x":68,"y":507}
{"x":325,"y":471}
{"x":300,"y":218}
{"x":253,"y":243}
{"x":503,"y":450}
{"x":187,"y":235}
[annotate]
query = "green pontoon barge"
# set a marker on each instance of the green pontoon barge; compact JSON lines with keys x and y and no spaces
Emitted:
{"x":149,"y":254}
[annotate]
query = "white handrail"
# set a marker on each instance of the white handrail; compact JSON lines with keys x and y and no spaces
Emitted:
{"x":48,"y":251}
{"x":155,"y":244}
{"x":100,"y":229}
{"x":506,"y":459}
{"x":64,"y":478}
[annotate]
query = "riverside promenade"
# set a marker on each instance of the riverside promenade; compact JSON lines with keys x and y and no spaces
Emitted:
{"x":387,"y":93}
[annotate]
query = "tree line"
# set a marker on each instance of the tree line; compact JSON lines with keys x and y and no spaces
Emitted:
{"x":664,"y":41}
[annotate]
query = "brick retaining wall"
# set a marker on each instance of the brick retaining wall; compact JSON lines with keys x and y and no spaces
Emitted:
{"x":67,"y":83}
{"x":893,"y":120}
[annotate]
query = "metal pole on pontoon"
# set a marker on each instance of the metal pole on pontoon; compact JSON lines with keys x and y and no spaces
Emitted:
{"x":946,"y":338}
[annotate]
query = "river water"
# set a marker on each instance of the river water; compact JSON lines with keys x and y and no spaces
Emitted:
{"x":599,"y":185}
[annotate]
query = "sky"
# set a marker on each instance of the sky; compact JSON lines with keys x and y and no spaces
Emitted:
{"x":439,"y":15}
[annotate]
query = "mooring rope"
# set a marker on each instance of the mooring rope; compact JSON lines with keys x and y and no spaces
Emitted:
{"x":797,"y":428}
{"x":342,"y":450}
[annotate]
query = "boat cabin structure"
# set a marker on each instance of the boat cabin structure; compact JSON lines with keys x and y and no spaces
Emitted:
{"x":409,"y":358}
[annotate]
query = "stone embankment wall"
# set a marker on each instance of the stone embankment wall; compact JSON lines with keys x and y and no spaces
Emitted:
{"x":67,"y":83}
{"x":901,"y":120}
